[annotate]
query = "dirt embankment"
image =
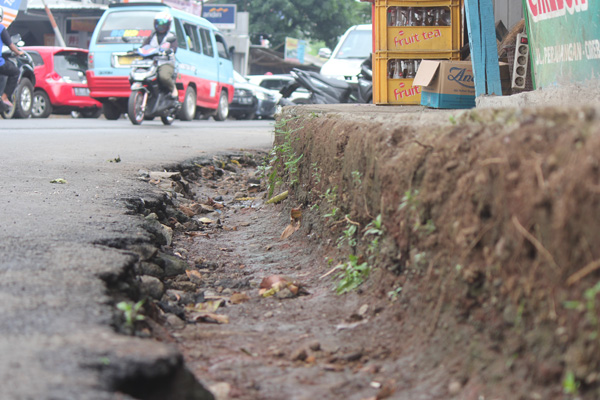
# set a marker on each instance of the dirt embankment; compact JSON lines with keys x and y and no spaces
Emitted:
{"x":490,"y":251}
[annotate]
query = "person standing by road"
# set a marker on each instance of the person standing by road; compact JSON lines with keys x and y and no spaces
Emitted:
{"x":6,"y":67}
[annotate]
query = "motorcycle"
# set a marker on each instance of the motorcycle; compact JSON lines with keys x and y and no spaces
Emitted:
{"x":148,"y":99}
{"x":322,"y":90}
{"x":23,"y":96}
{"x":365,"y":82}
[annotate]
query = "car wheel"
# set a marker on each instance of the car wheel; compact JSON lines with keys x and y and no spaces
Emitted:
{"x":23,"y":99}
{"x":111,"y":111}
{"x":223,"y":109}
{"x":41,"y":107}
{"x":92,"y":112}
{"x":188,"y":108}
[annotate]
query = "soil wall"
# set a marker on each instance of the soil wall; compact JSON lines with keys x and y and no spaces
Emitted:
{"x":491,"y":224}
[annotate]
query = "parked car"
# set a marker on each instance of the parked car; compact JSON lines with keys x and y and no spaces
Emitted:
{"x":251,"y":101}
{"x":278,"y":82}
{"x":61,"y":85}
{"x":352,"y":49}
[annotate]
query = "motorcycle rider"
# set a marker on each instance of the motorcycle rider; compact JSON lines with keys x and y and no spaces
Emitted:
{"x":165,"y":39}
{"x":8,"y":68}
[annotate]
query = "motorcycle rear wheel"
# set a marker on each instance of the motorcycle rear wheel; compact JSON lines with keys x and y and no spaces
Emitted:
{"x":168,"y":120}
{"x":135,"y":111}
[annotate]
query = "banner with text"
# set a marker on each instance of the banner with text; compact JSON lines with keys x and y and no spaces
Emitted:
{"x":10,"y":9}
{"x":221,"y":15}
{"x":294,"y":50}
{"x":564,"y":40}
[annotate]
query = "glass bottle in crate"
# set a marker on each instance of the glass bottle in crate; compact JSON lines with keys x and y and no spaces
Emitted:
{"x":445,"y":18}
{"x":410,"y":69}
{"x":410,"y":17}
{"x":391,"y":14}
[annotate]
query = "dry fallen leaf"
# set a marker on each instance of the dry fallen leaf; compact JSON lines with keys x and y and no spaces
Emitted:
{"x":195,"y":276}
{"x":188,"y":211}
{"x":295,"y":220}
{"x":280,"y":286}
{"x":207,"y":306}
{"x":238,"y":298}
{"x":209,"y":317}
{"x":195,"y":233}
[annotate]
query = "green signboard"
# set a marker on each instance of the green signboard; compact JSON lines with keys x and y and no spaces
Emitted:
{"x":564,"y":40}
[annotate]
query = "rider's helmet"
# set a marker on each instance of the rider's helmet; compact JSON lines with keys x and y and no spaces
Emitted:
{"x":162,"y":22}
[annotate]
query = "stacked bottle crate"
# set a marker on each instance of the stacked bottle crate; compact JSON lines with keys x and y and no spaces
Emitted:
{"x":407,"y":32}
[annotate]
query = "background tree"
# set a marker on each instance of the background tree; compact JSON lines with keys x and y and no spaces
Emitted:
{"x":303,"y":19}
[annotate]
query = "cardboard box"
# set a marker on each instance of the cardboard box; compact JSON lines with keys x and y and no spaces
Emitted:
{"x":446,"y":84}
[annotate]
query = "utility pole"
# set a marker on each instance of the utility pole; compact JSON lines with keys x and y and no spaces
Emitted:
{"x":61,"y":41}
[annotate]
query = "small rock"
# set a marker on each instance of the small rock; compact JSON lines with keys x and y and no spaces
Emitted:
{"x":285,"y":293}
{"x":276,"y":352}
{"x":151,"y":286}
{"x":172,"y":265}
{"x":220,"y":390}
{"x":362,"y":311}
{"x":268,"y":314}
{"x":454,"y":388}
{"x":185,"y":286}
{"x":353,"y":356}
{"x":165,"y":175}
{"x":314,"y":346}
{"x":299,"y":354}
{"x":148,"y":268}
{"x":175,"y":322}
{"x":145,"y":251}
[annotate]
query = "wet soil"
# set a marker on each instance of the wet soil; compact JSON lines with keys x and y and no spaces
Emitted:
{"x":484,"y":285}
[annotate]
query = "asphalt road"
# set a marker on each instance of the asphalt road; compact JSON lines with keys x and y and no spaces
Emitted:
{"x":55,"y":337}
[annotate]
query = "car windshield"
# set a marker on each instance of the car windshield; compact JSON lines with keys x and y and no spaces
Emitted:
{"x":127,"y":27}
{"x":358,"y":44}
{"x":71,"y":65}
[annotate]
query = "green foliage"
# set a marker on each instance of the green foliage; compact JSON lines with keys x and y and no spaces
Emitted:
{"x":393,"y":294}
{"x":356,"y":178}
{"x":410,"y":203}
{"x":316,"y":173}
{"x":282,"y":161}
{"x":352,"y":274}
{"x":131,"y":312}
{"x":348,"y":235}
{"x":570,"y":384}
{"x":589,"y":305}
{"x":303,"y":19}
{"x":331,"y":196}
{"x":373,"y":232}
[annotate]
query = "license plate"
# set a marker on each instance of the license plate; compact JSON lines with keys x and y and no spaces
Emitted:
{"x":243,"y":100}
{"x":79,"y":91}
{"x":127,"y":60}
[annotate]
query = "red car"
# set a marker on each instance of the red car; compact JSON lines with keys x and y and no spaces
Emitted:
{"x":61,"y":85}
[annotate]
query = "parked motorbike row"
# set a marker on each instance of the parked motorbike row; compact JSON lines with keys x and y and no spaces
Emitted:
{"x":325,"y":90}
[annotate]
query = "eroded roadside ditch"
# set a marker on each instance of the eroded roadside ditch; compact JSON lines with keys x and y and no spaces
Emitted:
{"x":198,"y":286}
{"x":479,"y":288}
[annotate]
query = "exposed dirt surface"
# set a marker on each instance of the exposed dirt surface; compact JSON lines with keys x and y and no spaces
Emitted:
{"x":483,"y":285}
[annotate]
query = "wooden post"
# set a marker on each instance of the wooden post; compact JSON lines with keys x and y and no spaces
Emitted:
{"x":484,"y":50}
